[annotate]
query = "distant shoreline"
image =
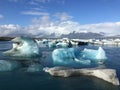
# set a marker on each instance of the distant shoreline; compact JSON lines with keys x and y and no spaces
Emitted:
{"x":6,"y":38}
{"x":10,"y":38}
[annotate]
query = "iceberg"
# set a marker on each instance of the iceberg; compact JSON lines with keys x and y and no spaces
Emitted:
{"x":6,"y":65}
{"x":66,"y":56}
{"x":108,"y":75}
{"x":23,"y":47}
{"x":64,"y":44}
{"x":95,"y":55}
{"x":52,"y":44}
{"x":45,"y":41}
{"x":42,"y":43}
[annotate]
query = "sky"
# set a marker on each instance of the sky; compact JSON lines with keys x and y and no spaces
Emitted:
{"x":44,"y":17}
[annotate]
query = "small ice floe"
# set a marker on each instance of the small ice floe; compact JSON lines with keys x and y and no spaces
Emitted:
{"x":108,"y":75}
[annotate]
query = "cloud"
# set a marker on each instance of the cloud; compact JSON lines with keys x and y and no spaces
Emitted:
{"x":47,"y":24}
{"x":40,"y":8}
{"x":43,"y":1}
{"x":13,"y":0}
{"x":43,"y":20}
{"x":10,"y":29}
{"x":1,"y":16}
{"x":107,"y":27}
{"x":37,"y":2}
{"x":34,"y":13}
{"x":63,"y":16}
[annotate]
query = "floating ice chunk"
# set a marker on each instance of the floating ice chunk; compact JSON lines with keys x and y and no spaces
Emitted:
{"x":64,"y":56}
{"x":98,"y":55}
{"x":24,"y":47}
{"x":72,"y":56}
{"x":52,"y":44}
{"x":64,"y":44}
{"x":108,"y":75}
{"x":6,"y":65}
{"x":45,"y":41}
{"x":40,"y":43}
{"x":101,"y":54}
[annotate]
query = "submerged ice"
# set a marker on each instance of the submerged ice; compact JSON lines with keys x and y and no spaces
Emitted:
{"x":6,"y":65}
{"x":34,"y":68}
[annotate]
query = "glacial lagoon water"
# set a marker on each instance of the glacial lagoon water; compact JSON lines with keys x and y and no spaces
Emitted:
{"x":20,"y":79}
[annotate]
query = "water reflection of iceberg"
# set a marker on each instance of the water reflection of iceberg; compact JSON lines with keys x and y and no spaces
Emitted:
{"x":7,"y":65}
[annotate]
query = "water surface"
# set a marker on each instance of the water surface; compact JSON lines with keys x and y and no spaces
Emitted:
{"x":19,"y":79}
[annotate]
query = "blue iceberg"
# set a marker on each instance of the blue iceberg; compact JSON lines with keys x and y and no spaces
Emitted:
{"x":64,"y":56}
{"x":24,"y":47}
{"x":94,"y":55}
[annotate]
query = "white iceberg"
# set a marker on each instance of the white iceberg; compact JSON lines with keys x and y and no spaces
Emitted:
{"x":108,"y":75}
{"x":64,"y":44}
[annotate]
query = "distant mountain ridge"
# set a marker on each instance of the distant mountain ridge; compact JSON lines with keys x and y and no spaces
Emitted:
{"x":72,"y":35}
{"x":82,"y":35}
